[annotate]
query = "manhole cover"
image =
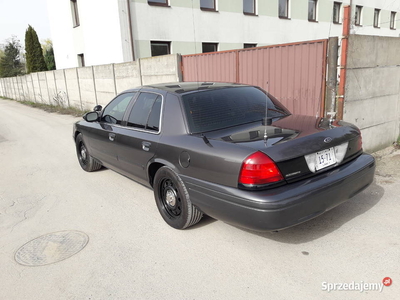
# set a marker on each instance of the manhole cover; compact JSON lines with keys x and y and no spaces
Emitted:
{"x":51,"y":248}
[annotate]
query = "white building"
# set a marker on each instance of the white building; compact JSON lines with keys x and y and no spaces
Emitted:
{"x":93,"y":32}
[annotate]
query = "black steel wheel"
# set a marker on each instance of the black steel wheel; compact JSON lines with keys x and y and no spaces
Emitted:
{"x":85,"y":160}
{"x":173,"y":200}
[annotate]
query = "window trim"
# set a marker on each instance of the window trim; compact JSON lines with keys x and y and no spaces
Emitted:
{"x":81,"y":60}
{"x":213,"y":43}
{"x":254,"y":45}
{"x":166,"y":4}
{"x":315,"y":20}
{"x":168,"y":43}
{"x":255,"y":9}
{"x":360,"y":15}
{"x":339,"y":14}
{"x":210,"y":9}
{"x":392,"y":24}
{"x":288,"y":11}
{"x":378,"y":20}
{"x":124,"y":123}
{"x":75,"y":13}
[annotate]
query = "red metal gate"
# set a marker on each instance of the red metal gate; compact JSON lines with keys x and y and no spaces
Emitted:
{"x":294,"y":73}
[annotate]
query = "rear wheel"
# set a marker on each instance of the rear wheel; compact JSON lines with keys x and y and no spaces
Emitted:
{"x":173,"y":200}
{"x":85,"y":160}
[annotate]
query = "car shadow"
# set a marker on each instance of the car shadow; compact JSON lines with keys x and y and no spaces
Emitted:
{"x":329,"y":221}
{"x":205,"y":221}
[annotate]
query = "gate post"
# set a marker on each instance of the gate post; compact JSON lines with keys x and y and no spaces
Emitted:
{"x":331,"y":84}
{"x":343,"y":64}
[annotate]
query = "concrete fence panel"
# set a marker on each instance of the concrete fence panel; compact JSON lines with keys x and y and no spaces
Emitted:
{"x":6,"y":88}
{"x":105,"y":83}
{"x":372,"y":97}
{"x":61,"y":84}
{"x":19,"y":90}
{"x":51,"y":87}
{"x":127,"y":76}
{"x":2,"y":91}
{"x":25,"y":88}
{"x":73,"y":90}
{"x":160,"y":69}
{"x":87,"y":87}
{"x":14,"y":82}
{"x":43,"y":90}
{"x":31,"y":89}
{"x":36,"y":86}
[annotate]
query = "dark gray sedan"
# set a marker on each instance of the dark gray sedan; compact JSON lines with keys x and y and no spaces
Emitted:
{"x":230,"y":151}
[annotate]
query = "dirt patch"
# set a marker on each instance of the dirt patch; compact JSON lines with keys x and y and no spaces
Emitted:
{"x":387,"y":165}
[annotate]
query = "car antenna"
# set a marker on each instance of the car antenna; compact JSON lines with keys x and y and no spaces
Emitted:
{"x":266,"y":116}
{"x":205,"y":139}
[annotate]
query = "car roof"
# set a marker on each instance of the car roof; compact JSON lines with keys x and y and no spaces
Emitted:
{"x":190,"y":87}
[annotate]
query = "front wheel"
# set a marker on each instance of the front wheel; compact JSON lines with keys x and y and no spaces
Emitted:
{"x":85,"y":160}
{"x":173,"y":200}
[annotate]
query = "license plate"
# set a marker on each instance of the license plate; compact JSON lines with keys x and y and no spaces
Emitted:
{"x":324,"y":159}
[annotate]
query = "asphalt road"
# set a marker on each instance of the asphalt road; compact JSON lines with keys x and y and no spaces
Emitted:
{"x":133,"y":254}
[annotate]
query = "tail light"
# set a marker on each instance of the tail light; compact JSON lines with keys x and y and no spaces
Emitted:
{"x":359,"y":142}
{"x":259,"y":169}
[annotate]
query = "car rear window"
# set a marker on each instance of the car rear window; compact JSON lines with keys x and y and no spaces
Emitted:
{"x":222,"y":108}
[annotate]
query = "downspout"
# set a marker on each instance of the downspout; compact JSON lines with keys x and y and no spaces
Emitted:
{"x":343,"y":65}
{"x":128,"y":2}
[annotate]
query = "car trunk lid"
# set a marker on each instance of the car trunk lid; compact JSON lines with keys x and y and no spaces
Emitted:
{"x":290,"y":140}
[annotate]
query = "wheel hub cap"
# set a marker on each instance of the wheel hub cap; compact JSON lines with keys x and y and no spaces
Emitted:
{"x":83,"y":153}
{"x":170,"y":198}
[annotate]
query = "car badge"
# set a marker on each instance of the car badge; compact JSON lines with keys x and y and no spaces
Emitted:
{"x":328,"y":140}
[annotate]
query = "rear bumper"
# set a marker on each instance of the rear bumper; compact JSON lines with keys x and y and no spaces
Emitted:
{"x":284,"y":206}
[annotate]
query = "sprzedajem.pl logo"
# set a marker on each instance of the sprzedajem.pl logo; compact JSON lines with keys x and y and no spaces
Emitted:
{"x":357,"y":286}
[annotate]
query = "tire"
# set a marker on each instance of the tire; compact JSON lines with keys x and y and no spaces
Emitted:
{"x":86,"y":161}
{"x":173,"y":200}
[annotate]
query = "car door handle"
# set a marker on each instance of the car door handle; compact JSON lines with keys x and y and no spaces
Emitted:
{"x":146,"y":146}
{"x":111,"y":137}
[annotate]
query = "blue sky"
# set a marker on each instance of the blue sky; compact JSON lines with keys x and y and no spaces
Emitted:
{"x":15,"y":15}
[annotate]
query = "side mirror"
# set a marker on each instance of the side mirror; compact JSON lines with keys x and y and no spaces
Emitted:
{"x":91,"y":116}
{"x":97,"y":108}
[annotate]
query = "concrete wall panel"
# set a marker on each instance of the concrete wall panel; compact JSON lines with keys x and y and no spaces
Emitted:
{"x":60,"y":82}
{"x":372,"y":99}
{"x":159,"y":69}
{"x":73,"y":92}
{"x":36,"y":86}
{"x":127,"y":76}
{"x":105,"y":83}
{"x":52,"y":88}
{"x":87,"y":87}
{"x":43,"y":94}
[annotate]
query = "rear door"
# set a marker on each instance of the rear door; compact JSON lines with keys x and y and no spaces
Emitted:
{"x":138,"y":140}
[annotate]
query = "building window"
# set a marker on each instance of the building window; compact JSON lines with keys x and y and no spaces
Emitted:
{"x":312,"y":10}
{"x":336,"y":12}
{"x":377,"y":13}
{"x":208,"y":5}
{"x":249,"y":7}
{"x":210,"y":47}
{"x":158,"y":2}
{"x":284,"y":9}
{"x":393,"y":20}
{"x":160,"y":48}
{"x":245,"y":46}
{"x":81,"y":60}
{"x":75,"y":14}
{"x":357,"y":19}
